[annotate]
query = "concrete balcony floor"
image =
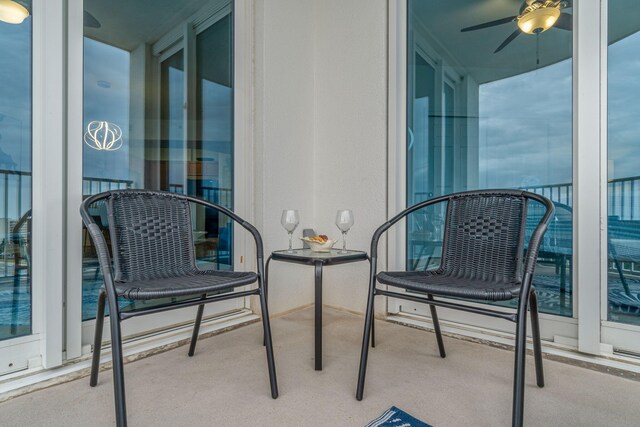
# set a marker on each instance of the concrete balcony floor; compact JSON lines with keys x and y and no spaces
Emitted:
{"x":226,"y":384}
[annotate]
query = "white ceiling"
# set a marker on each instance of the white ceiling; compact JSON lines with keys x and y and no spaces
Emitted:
{"x":127,"y":23}
{"x":474,"y":49}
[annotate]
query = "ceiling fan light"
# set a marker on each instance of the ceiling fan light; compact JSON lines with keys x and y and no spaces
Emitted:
{"x":12,"y":12}
{"x":539,"y":20}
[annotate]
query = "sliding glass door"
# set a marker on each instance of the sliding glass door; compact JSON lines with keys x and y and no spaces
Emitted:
{"x":489,"y":107}
{"x":16,"y":295}
{"x":489,"y":103}
{"x":622,"y":319}
{"x":158,"y":114}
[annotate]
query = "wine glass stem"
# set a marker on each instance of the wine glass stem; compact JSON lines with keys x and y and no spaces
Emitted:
{"x":290,"y":241}
{"x":344,"y":241}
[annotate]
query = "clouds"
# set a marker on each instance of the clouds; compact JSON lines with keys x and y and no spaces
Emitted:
{"x":526,"y":128}
{"x":15,"y":96}
{"x":526,"y":122}
{"x":624,"y":107}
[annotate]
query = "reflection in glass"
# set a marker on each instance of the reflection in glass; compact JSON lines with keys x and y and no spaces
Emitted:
{"x":486,"y":109}
{"x":173,"y":148}
{"x":173,"y":101}
{"x":211,"y":162}
{"x":15,"y":179}
{"x":623,"y":272}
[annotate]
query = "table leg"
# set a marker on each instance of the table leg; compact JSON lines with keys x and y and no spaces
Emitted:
{"x":318,"y":320}
{"x":266,"y":289}
{"x":266,"y":279}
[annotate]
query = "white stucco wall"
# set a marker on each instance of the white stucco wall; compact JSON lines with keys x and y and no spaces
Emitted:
{"x":284,"y":138}
{"x":351,"y":133}
{"x":321,"y":134}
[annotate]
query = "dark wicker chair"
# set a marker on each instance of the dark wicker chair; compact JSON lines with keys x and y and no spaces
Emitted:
{"x":483,"y":259}
{"x":153,"y":257}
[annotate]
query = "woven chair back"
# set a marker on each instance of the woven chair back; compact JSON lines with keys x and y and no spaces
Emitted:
{"x":484,"y":237}
{"x":151,"y":235}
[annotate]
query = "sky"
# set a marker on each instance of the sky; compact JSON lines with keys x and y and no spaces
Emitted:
{"x":534,"y":137}
{"x":525,"y":121}
{"x":15,"y":116}
{"x":525,"y":128}
{"x":15,"y":96}
{"x":624,"y":107}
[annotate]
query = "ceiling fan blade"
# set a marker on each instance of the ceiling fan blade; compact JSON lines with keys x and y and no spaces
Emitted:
{"x":564,"y":22}
{"x":490,"y":24}
{"x":565,"y":4}
{"x":90,"y":21}
{"x":508,"y":40}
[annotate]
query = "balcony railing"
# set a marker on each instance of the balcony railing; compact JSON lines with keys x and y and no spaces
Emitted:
{"x":623,"y":196}
{"x":92,"y":186}
{"x":559,"y":193}
{"x":217,"y":195}
{"x":15,"y":191}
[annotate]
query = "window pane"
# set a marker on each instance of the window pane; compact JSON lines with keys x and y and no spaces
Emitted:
{"x":623,"y":157}
{"x":172,"y":121}
{"x":212,"y":178}
{"x":15,"y":178}
{"x":486,"y":114}
{"x":139,"y":131}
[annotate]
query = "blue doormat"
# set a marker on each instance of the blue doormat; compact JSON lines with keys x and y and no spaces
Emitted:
{"x":395,"y":417}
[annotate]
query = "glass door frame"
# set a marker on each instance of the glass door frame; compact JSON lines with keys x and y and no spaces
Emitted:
{"x":44,"y":347}
{"x":78,"y":333}
{"x":623,"y":336}
{"x":583,"y":330}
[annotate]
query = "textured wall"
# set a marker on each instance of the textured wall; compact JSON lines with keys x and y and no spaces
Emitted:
{"x":284,"y":138}
{"x":351,"y":132}
{"x":321,"y":114}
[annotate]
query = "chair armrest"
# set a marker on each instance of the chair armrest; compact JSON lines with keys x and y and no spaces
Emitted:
{"x":102,"y":249}
{"x":387,"y":225}
{"x":246,"y":225}
{"x":536,"y":240}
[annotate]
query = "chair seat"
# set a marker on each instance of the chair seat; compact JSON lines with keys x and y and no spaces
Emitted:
{"x":195,"y":282}
{"x":437,"y":282}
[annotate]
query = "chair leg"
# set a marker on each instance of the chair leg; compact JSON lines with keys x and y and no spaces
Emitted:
{"x":368,"y":322}
{"x":196,"y":328}
{"x":97,"y":339}
{"x":118,"y":365}
{"x":373,"y":332}
{"x":266,"y":289}
{"x":267,"y":339}
{"x":537,"y":344}
{"x":16,"y":302}
{"x":436,"y":327}
{"x":520,"y":354}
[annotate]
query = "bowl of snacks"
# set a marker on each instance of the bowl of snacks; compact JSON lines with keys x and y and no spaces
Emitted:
{"x":320,"y":243}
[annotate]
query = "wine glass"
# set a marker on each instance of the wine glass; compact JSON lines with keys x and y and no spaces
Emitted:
{"x":290,"y":220}
{"x":344,"y":221}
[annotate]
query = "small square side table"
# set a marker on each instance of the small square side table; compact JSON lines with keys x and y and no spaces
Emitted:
{"x":317,"y":259}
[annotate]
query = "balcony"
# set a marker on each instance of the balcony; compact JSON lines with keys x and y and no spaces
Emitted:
{"x":170,"y":388}
{"x":319,"y":106}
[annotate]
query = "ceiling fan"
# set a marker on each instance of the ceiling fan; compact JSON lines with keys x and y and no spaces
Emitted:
{"x":16,"y":11}
{"x":534,"y":17}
